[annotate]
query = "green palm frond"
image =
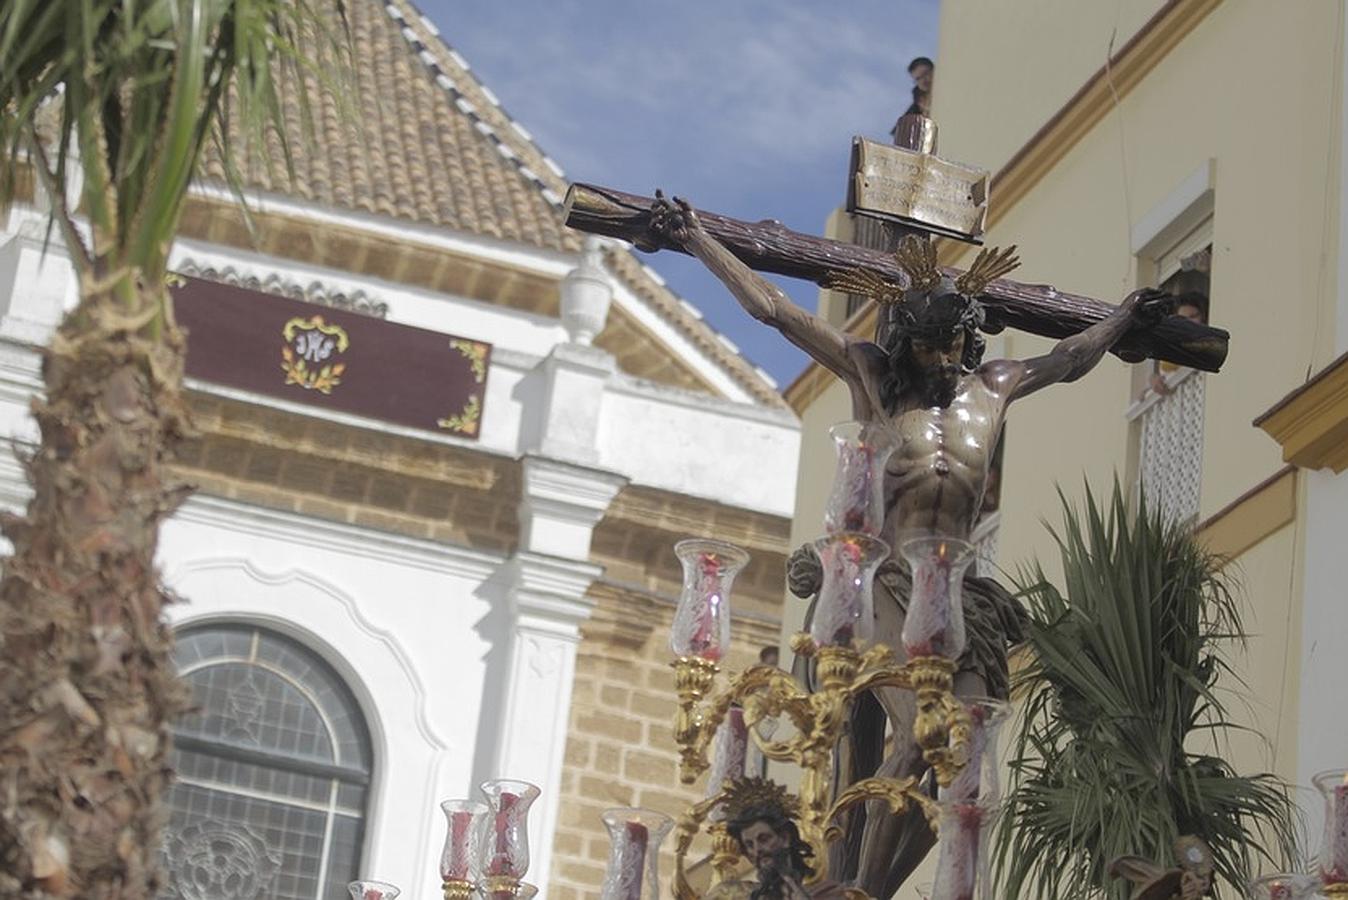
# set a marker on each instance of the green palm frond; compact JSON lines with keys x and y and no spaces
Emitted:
{"x":1125,"y":660}
{"x":133,"y":92}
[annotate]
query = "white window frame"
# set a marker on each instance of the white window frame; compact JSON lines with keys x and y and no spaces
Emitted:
{"x":1181,"y":224}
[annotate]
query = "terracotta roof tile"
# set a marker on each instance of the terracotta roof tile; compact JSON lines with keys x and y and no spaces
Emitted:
{"x":423,"y":141}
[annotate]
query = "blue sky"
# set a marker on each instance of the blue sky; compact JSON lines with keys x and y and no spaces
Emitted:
{"x":745,"y":107}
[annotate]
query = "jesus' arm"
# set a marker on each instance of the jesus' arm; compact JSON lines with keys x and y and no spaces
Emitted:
{"x":760,"y":298}
{"x":1073,"y":357}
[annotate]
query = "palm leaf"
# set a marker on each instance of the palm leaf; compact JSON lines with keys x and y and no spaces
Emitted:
{"x":132,"y":93}
{"x":106,"y":107}
{"x":1125,"y":663}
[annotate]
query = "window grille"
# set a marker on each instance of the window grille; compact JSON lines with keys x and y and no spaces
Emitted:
{"x":1170,"y":455}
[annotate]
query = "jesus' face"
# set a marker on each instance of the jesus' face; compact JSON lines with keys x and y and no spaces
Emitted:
{"x":762,"y":844}
{"x":935,"y":364}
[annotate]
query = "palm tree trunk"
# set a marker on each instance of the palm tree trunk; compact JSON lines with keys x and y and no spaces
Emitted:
{"x":87,"y":687}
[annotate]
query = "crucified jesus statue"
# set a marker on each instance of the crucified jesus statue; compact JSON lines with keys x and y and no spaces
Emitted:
{"x":925,"y":378}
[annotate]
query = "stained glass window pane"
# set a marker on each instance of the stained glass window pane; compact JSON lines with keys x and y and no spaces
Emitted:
{"x":273,"y":770}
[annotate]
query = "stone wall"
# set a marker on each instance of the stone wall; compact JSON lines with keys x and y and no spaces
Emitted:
{"x":620,"y":749}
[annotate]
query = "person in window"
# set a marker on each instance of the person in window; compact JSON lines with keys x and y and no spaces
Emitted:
{"x":1191,"y":305}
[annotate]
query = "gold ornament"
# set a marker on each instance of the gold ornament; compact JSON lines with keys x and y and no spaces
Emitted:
{"x":749,"y":793}
{"x":917,"y":257}
{"x":865,"y":283}
{"x":991,"y":264}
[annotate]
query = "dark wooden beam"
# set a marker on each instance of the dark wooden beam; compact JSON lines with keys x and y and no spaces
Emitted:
{"x":769,"y":246}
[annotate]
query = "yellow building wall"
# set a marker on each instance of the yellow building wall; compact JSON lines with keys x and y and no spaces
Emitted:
{"x":1267,"y":580}
{"x":1272,"y":272}
{"x":1003,"y":68}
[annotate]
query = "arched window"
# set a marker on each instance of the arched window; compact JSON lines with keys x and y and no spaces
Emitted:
{"x":273,"y":772}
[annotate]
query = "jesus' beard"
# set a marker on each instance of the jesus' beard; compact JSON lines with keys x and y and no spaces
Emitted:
{"x":772,"y":872}
{"x":936,"y":386}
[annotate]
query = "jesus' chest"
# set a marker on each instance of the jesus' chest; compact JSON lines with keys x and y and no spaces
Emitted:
{"x":955,"y":440}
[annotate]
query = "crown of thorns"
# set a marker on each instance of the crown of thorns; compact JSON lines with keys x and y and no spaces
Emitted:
{"x":747,"y":794}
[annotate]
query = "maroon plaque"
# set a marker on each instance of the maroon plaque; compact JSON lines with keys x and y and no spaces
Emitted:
{"x":332,"y":359}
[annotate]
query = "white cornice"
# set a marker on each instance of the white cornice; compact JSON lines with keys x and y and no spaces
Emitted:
{"x":548,"y":593}
{"x":569,"y":484}
{"x":623,"y":383}
{"x":348,"y":539}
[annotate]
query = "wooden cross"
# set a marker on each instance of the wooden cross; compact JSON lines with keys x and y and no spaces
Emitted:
{"x":769,"y":246}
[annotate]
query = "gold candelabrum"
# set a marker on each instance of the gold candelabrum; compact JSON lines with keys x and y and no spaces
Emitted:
{"x":943,"y":729}
{"x":846,"y":662}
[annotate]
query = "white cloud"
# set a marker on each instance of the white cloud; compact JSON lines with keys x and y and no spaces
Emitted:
{"x":746,"y":106}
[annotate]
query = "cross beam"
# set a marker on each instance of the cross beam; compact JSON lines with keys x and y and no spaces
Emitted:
{"x":769,"y":246}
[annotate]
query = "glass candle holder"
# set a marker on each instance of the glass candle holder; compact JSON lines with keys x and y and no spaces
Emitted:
{"x":506,"y":853}
{"x":634,"y":850}
{"x":980,"y":778}
{"x":729,"y":756}
{"x":857,"y":499}
{"x":463,"y":840}
{"x":1333,"y":786}
{"x":845,"y":609}
{"x":702,"y":620}
{"x":372,"y":890}
{"x":1283,"y":886}
{"x":961,"y":852}
{"x":934,"y":624}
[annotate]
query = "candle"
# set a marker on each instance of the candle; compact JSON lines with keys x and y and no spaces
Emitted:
{"x":844,"y":610}
{"x":633,"y":862}
{"x":502,"y":861}
{"x":929,"y":609}
{"x":966,"y":784}
{"x":934,"y":622}
{"x":729,"y":755}
{"x":856,"y":501}
{"x":957,"y":861}
{"x":634,"y":843}
{"x":1336,"y":853}
{"x":845,"y":562}
{"x":853,"y":506}
{"x":460,"y":843}
{"x":705,"y":641}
